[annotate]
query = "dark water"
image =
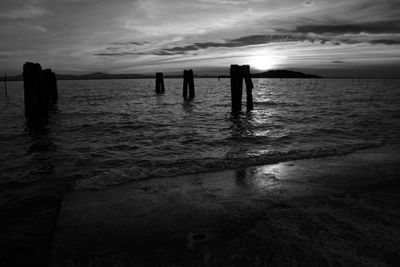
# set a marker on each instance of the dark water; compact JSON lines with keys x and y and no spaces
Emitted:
{"x":108,"y":132}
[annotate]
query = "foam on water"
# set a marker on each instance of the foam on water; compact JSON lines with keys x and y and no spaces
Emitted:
{"x":124,"y":175}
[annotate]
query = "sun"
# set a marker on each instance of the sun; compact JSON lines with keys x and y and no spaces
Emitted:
{"x":261,"y":62}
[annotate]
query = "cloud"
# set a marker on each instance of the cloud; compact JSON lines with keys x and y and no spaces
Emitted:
{"x":244,"y":41}
{"x":25,"y":12}
{"x":248,"y":41}
{"x":307,"y":4}
{"x":338,"y":62}
{"x":238,"y":42}
{"x":385,"y":41}
{"x":224,"y":2}
{"x":118,"y":54}
{"x":392,"y":26}
{"x":129,"y":43}
{"x":79,"y":34}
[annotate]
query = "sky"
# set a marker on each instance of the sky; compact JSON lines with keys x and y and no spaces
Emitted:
{"x":328,"y":37}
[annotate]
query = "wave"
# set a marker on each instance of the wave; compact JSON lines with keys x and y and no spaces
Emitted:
{"x":119,"y":176}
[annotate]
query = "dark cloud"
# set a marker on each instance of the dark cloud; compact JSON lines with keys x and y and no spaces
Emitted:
{"x":117,"y":48}
{"x":323,"y":34}
{"x":394,"y":41}
{"x":239,"y":42}
{"x":338,"y":62}
{"x":308,"y":3}
{"x":165,"y":53}
{"x":130,"y":43}
{"x":385,"y":41}
{"x":118,"y":54}
{"x":335,"y":29}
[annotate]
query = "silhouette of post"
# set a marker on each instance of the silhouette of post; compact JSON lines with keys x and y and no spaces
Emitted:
{"x":160,"y":82}
{"x":40,"y":90}
{"x":185,"y":84}
{"x":236,"y":87}
{"x":51,"y":83}
{"x":237,"y":74}
{"x":191,"y":84}
{"x":249,"y":87}
{"x":188,"y":81}
{"x":32,"y":74}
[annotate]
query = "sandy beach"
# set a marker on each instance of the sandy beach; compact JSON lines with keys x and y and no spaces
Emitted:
{"x":334,"y":211}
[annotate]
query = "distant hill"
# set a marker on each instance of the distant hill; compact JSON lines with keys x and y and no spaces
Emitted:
{"x":101,"y":76}
{"x":283,"y":74}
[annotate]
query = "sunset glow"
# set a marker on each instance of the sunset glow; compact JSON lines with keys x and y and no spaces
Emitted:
{"x":138,"y":36}
{"x":262,"y":62}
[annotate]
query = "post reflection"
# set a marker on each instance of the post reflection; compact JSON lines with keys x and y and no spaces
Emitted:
{"x":242,"y":124}
{"x":41,"y":144}
{"x":257,"y":178}
{"x":188,"y":106}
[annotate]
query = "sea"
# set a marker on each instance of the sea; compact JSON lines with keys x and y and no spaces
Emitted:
{"x":104,"y":133}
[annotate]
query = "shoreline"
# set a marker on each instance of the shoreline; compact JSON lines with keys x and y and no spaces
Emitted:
{"x":310,"y":212}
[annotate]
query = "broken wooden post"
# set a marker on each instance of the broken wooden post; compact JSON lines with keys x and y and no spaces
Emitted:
{"x":249,"y":87}
{"x":40,"y":90}
{"x":191,"y":84}
{"x":236,"y":87}
{"x":238,"y":73}
{"x":32,"y":74}
{"x":53,"y":93}
{"x":185,"y":84}
{"x":160,"y":82}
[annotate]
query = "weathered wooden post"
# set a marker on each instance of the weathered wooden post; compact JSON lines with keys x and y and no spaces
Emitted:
{"x":249,"y":87}
{"x":160,"y":82}
{"x":40,"y":90}
{"x":191,"y":84}
{"x":32,"y":74}
{"x":236,"y":87}
{"x":185,"y":84}
{"x":238,"y":73}
{"x":51,"y":83}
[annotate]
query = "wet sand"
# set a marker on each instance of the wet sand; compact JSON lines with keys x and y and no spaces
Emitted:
{"x":334,"y":211}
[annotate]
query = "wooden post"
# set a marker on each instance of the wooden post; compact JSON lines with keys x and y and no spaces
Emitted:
{"x":249,"y":87}
{"x":160,"y":82}
{"x":158,"y":85}
{"x":238,"y":73}
{"x":236,"y":87}
{"x":5,"y":85}
{"x":32,"y":74}
{"x":185,"y":84}
{"x":40,"y":90}
{"x":191,"y":84}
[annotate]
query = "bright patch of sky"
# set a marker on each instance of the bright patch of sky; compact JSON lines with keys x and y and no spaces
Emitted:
{"x":144,"y":36}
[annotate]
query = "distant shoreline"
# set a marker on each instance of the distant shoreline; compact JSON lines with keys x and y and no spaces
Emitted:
{"x":19,"y":79}
{"x":271,"y":74}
